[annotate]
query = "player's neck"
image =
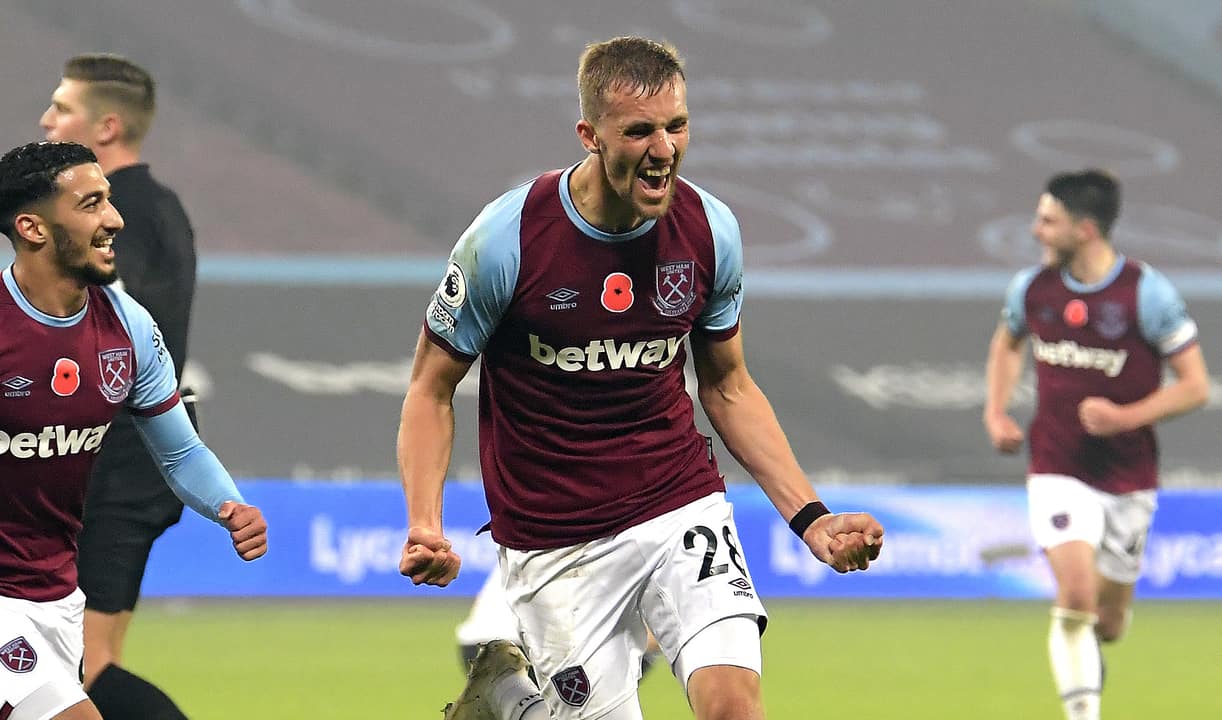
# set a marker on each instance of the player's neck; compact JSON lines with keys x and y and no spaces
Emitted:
{"x":1093,"y":263}
{"x":115,"y":157}
{"x":48,"y":291}
{"x":595,"y":200}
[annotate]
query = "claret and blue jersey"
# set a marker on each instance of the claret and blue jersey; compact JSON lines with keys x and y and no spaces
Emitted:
{"x":1106,"y":340}
{"x":585,"y":424}
{"x":62,"y":380}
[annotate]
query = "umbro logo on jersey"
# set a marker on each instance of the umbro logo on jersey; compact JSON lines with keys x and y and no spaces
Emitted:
{"x":563,"y":298}
{"x":16,"y":386}
{"x":18,"y":382}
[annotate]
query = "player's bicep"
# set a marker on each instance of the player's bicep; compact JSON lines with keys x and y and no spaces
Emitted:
{"x":1189,"y":365}
{"x":480,"y":278}
{"x":1013,"y":311}
{"x":155,"y":379}
{"x":720,"y":364}
{"x":721,"y":312}
{"x":1006,"y":340}
{"x":1162,"y":315}
{"x":436,"y":372}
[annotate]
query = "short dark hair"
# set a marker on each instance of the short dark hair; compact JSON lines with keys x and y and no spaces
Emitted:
{"x":1093,"y":194}
{"x":28,"y":174}
{"x":118,"y":85}
{"x":632,"y":62}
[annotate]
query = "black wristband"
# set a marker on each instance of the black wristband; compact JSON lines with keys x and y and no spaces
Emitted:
{"x":807,"y":515}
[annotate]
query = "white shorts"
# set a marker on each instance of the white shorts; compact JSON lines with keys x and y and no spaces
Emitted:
{"x":490,"y":617}
{"x":583,"y":609}
{"x":41,"y":644}
{"x":1062,"y":508}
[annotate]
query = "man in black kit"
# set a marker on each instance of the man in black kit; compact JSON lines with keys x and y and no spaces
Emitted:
{"x":106,"y":103}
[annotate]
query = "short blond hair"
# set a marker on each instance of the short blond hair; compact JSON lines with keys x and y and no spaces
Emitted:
{"x":118,"y":85}
{"x":624,"y":62}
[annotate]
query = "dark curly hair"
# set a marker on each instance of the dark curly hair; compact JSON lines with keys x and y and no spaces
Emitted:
{"x":28,"y":175}
{"x":1091,"y":193}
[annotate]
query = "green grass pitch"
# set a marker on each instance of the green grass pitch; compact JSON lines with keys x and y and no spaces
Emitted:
{"x":943,"y":660}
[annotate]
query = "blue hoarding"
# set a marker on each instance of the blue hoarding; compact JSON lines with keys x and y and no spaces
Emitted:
{"x":337,"y":540}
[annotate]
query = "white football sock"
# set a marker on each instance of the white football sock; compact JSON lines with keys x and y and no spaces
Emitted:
{"x":517,"y":698}
{"x":1076,"y":662}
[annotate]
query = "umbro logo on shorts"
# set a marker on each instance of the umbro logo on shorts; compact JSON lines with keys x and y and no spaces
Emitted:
{"x":1060,"y":521}
{"x":744,"y":587}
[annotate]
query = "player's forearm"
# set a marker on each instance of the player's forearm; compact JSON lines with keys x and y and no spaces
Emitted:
{"x":1177,"y":398}
{"x":202,"y":483}
{"x":745,"y":421}
{"x":1002,"y":372}
{"x":426,"y":439}
{"x":191,"y":470}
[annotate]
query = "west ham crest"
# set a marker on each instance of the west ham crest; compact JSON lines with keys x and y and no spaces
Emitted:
{"x":676,"y":287}
{"x":18,"y":656}
{"x":572,"y":685}
{"x":1110,"y":321}
{"x":116,"y":367}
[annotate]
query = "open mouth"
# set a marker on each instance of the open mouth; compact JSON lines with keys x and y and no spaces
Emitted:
{"x":656,"y":181}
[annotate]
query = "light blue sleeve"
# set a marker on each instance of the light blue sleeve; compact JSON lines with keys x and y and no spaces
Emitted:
{"x":481,"y":276}
{"x":189,"y":467}
{"x":1161,"y":314}
{"x":154,"y":382}
{"x":726,"y":302}
{"x":1014,"y":311}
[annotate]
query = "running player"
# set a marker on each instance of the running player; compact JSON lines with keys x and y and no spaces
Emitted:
{"x":1101,"y":328}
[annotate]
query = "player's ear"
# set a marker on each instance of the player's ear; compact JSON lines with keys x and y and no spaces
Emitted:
{"x":108,"y":129}
{"x":587,"y":135}
{"x":1090,"y":226}
{"x":32,"y":228}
